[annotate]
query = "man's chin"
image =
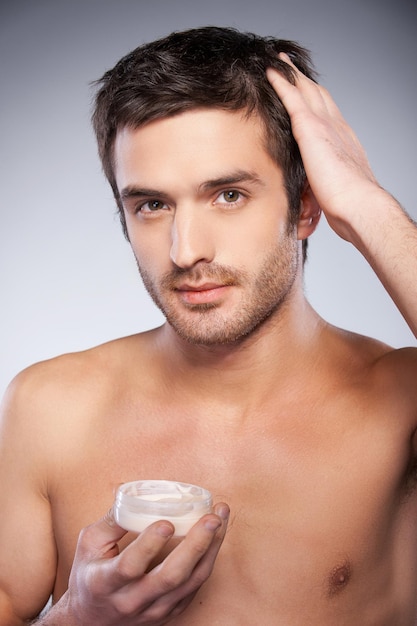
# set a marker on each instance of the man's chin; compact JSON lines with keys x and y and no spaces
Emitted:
{"x":216,"y":333}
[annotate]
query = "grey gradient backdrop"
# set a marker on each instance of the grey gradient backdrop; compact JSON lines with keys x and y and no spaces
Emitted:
{"x":68,"y":279}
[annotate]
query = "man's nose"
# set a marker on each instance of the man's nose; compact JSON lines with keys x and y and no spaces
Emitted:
{"x":191,"y":238}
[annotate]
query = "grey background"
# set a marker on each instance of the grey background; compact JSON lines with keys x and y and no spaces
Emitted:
{"x":68,"y":279}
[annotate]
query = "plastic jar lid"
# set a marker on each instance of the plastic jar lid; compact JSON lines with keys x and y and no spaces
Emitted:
{"x":143,"y":502}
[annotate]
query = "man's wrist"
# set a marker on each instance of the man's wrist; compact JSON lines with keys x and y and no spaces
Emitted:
{"x":58,"y":615}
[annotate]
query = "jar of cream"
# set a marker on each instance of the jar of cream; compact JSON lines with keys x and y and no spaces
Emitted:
{"x":140,"y":503}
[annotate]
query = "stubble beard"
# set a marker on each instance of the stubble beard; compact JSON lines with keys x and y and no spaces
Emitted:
{"x":264,"y":295}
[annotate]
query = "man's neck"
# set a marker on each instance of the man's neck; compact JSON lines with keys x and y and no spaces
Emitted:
{"x":244,"y":371}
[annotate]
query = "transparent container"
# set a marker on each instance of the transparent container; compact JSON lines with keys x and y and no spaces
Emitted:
{"x":140,"y":503}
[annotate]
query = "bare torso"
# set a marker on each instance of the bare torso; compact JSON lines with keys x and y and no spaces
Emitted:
{"x":319,"y":479}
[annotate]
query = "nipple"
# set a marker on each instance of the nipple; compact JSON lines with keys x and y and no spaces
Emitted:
{"x":339,"y":578}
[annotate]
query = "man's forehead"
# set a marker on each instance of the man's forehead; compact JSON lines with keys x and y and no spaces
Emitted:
{"x":204,"y":147}
{"x":197,"y":115}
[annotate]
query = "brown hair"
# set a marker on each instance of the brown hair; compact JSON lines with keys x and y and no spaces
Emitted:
{"x":204,"y":67}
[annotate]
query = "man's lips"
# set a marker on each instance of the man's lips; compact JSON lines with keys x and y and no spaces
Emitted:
{"x":201,"y":294}
{"x":202,"y":287}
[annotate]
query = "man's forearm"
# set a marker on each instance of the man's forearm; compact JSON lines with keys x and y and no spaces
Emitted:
{"x":387,"y":238}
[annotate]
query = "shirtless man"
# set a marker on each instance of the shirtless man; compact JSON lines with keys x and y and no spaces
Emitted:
{"x":304,"y":430}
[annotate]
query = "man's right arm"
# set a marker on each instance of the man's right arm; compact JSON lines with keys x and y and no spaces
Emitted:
{"x":27,"y":554}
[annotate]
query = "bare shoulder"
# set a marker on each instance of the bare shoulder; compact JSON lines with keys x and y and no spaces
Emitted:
{"x":380,"y":370}
{"x":396,"y":367}
{"x":396,"y":372}
{"x":69,"y":388}
{"x":367,"y":351}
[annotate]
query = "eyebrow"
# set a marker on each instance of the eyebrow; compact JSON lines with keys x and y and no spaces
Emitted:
{"x":132,"y":191}
{"x":239,"y":176}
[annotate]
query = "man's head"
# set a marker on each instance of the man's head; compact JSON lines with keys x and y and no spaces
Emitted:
{"x":209,"y":67}
{"x":207,"y":215}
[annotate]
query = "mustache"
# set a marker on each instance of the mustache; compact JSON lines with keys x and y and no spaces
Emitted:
{"x":212,"y":272}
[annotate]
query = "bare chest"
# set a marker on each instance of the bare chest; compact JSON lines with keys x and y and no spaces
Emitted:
{"x":314,"y":514}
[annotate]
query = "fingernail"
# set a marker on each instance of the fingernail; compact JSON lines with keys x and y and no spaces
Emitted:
{"x":165,"y":530}
{"x":212,"y":524}
{"x":223,"y":512}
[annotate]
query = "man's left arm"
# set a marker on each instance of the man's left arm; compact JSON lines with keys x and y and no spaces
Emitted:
{"x":355,"y":205}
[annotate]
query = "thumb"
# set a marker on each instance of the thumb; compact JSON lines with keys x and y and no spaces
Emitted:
{"x":99,"y":540}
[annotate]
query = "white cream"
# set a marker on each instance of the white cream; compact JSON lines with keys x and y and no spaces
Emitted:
{"x":143,"y":502}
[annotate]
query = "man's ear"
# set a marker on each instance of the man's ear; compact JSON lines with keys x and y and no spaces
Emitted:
{"x":310,"y":212}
